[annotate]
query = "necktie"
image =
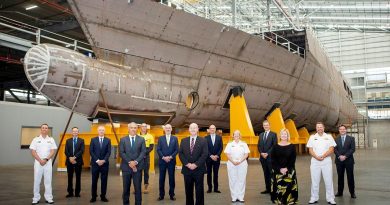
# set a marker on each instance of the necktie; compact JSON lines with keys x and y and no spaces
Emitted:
{"x":168,"y":138}
{"x":74,"y":144}
{"x":342,"y":141}
{"x":132,"y":142}
{"x":265,"y":136}
{"x":192,"y":144}
{"x":213,"y":139}
{"x":101,"y":142}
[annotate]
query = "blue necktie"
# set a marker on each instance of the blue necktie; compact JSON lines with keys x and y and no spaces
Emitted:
{"x":101,"y":143}
{"x":74,"y":144}
{"x":132,"y":142}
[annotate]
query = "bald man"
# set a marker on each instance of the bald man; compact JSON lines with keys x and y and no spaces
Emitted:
{"x":193,"y":153}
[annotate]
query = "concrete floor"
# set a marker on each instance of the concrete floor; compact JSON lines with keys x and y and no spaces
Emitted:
{"x":371,"y":172}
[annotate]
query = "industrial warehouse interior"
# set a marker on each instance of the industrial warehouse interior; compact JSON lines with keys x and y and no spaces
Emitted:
{"x":122,"y":93}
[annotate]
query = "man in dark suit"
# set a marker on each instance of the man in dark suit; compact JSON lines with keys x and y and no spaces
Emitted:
{"x":193,"y":154}
{"x":213,"y":161}
{"x":74,"y":149}
{"x":132,"y":150}
{"x":100,"y":150}
{"x":267,"y":140}
{"x":167,"y":149}
{"x":345,"y":161}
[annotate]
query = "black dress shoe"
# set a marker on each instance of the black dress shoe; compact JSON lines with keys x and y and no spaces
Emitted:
{"x":353,"y":196}
{"x":338,"y":194}
{"x":208,"y":191}
{"x":47,"y":202}
{"x":160,"y":198}
{"x":217,"y":191}
{"x":69,"y":195}
{"x":265,"y":192}
{"x":92,"y":200}
{"x":173,"y":198}
{"x":104,"y":199}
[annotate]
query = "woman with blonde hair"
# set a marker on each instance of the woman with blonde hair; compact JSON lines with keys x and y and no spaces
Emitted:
{"x":284,"y":178}
{"x":237,"y":152}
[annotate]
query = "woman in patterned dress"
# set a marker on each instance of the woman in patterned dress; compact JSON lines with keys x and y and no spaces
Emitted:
{"x":284,"y":178}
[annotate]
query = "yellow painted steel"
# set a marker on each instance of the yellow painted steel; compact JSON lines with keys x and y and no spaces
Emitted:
{"x":294,"y":135}
{"x":303,"y":135}
{"x":239,"y":116}
{"x":276,"y":121}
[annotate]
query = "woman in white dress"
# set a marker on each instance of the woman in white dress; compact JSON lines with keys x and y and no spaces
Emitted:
{"x":237,"y":152}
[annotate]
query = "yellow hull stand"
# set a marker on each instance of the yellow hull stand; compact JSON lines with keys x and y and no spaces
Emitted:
{"x":275,"y":119}
{"x":294,"y":135}
{"x":239,"y":115}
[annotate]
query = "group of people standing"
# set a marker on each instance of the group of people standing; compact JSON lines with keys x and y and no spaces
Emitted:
{"x":199,"y":156}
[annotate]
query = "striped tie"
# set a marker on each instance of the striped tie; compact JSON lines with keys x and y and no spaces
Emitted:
{"x":192,"y":145}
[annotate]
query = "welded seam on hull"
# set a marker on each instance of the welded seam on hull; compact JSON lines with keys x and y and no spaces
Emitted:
{"x":70,"y":87}
{"x":81,"y":86}
{"x":155,"y":100}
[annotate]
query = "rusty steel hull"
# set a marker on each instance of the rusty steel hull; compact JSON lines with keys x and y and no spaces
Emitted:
{"x":150,"y":57}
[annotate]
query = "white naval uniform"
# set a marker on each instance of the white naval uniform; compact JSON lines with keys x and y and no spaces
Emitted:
{"x":237,"y":174}
{"x":320,"y":145}
{"x":43,"y":146}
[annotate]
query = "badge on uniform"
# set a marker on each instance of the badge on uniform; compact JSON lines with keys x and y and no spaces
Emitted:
{"x":39,"y":142}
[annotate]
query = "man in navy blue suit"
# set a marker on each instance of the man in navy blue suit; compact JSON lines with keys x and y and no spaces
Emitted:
{"x":100,"y":150}
{"x":214,"y":158}
{"x":167,"y":149}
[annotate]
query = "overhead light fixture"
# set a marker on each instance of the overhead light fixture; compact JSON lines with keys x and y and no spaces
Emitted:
{"x":31,"y":7}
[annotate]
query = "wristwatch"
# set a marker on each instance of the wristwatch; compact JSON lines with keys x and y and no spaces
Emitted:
{"x":46,"y":159}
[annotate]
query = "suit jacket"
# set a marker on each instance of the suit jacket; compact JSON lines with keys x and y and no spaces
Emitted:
{"x":215,"y":149}
{"x":129,"y":153}
{"x":347,"y":150}
{"x":98,"y":153}
{"x":164,"y":150}
{"x":78,"y":151}
{"x":198,"y":156}
{"x":266,"y":147}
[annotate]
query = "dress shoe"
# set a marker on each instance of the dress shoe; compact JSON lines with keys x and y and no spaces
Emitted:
{"x":353,"y":196}
{"x":69,"y":195}
{"x":49,"y":202}
{"x":313,"y":202}
{"x":265,"y":192}
{"x":338,"y":194}
{"x":208,"y":191}
{"x":217,"y":191}
{"x":77,"y":195}
{"x":92,"y":200}
{"x":241,"y":201}
{"x":160,"y":198}
{"x":332,"y":202}
{"x":173,"y":198}
{"x":35,"y":202}
{"x":103,"y":199}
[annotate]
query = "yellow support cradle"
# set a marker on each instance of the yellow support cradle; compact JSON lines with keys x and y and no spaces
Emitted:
{"x":294,"y":135}
{"x":239,"y":116}
{"x":276,"y":121}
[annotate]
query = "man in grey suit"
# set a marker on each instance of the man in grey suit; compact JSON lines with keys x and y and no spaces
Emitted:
{"x":132,"y":150}
{"x":267,"y":140}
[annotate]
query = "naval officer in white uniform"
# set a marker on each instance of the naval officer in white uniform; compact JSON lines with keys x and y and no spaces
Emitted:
{"x":237,"y":166}
{"x":42,"y":149}
{"x":321,"y":146}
